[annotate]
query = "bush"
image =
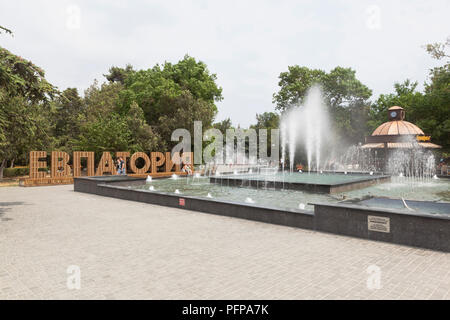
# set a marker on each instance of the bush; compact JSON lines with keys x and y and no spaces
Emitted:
{"x":15,"y":172}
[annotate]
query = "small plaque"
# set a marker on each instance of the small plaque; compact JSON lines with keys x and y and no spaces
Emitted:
{"x":181,"y":202}
{"x":379,"y":224}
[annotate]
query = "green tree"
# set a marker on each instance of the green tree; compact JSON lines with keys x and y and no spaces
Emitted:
{"x":21,"y":77}
{"x":68,"y":115}
{"x":223,"y":125}
{"x":143,"y":136}
{"x":269,"y":121}
{"x":405,"y":95}
{"x":23,"y":127}
{"x":24,"y":97}
{"x":102,"y":100}
{"x":434,"y":116}
{"x":105,"y":134}
{"x":430,"y":109}
{"x":115,"y":132}
{"x":152,"y":88}
{"x":340,"y":87}
{"x":181,"y":112}
{"x":346,"y":97}
{"x":438,"y":50}
{"x":119,"y":75}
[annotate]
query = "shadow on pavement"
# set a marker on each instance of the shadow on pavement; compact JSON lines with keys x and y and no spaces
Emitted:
{"x":5,"y":207}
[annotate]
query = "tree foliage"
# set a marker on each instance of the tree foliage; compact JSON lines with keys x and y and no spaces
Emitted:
{"x":119,"y":75}
{"x":137,"y":110}
{"x":102,"y":100}
{"x":22,"y":78}
{"x":340,"y":87}
{"x":109,"y":133}
{"x":152,"y":88}
{"x":181,"y":112}
{"x":430,"y":109}
{"x":68,"y":111}
{"x":6,"y":30}
{"x":346,"y":97}
{"x":223,"y":125}
{"x":140,"y":108}
{"x":437,"y":50}
{"x":267,"y":120}
{"x":24,"y":97}
{"x":23,"y":126}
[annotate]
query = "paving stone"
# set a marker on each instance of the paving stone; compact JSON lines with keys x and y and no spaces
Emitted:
{"x":131,"y":250}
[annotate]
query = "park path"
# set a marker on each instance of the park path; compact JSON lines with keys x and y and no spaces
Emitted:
{"x":131,"y":250}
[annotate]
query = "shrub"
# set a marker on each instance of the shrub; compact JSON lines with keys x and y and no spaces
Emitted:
{"x":15,"y":172}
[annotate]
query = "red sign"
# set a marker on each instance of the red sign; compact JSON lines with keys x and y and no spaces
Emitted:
{"x":181,"y":202}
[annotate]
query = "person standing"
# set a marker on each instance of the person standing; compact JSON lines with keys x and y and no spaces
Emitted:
{"x":120,"y":166}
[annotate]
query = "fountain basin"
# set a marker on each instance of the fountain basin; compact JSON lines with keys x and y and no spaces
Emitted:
{"x":434,"y":207}
{"x":419,"y":229}
{"x":313,"y":182}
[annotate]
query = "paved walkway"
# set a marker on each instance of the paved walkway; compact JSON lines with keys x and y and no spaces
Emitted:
{"x":131,"y":250}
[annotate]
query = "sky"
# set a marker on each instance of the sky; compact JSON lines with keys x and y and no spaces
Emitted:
{"x":247,"y":44}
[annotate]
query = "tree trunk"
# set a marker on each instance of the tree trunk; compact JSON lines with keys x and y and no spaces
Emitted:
{"x":2,"y":166}
{"x":12,"y":163}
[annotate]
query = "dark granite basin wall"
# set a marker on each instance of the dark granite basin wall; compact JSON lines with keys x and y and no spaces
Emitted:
{"x":429,"y":231}
{"x":310,"y":187}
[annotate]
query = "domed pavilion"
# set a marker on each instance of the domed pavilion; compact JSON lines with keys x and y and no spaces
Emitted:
{"x":397,"y":134}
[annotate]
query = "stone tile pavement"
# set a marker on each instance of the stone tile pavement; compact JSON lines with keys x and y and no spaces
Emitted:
{"x":131,"y":250}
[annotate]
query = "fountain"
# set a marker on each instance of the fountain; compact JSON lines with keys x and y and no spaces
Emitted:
{"x":425,"y":219}
{"x":283,"y":143}
{"x":249,"y":200}
{"x":306,"y":125}
{"x":346,"y":192}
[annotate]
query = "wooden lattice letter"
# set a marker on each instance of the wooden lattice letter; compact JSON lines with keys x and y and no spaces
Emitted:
{"x":106,"y":165}
{"x":60,"y":166}
{"x":157,"y":160}
{"x":133,"y":159}
{"x":173,"y":161}
{"x":36,"y":164}
{"x":77,"y":155}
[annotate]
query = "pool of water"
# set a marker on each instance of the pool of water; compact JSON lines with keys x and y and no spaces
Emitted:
{"x":430,"y":190}
{"x":412,"y":205}
{"x":309,"y":178}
